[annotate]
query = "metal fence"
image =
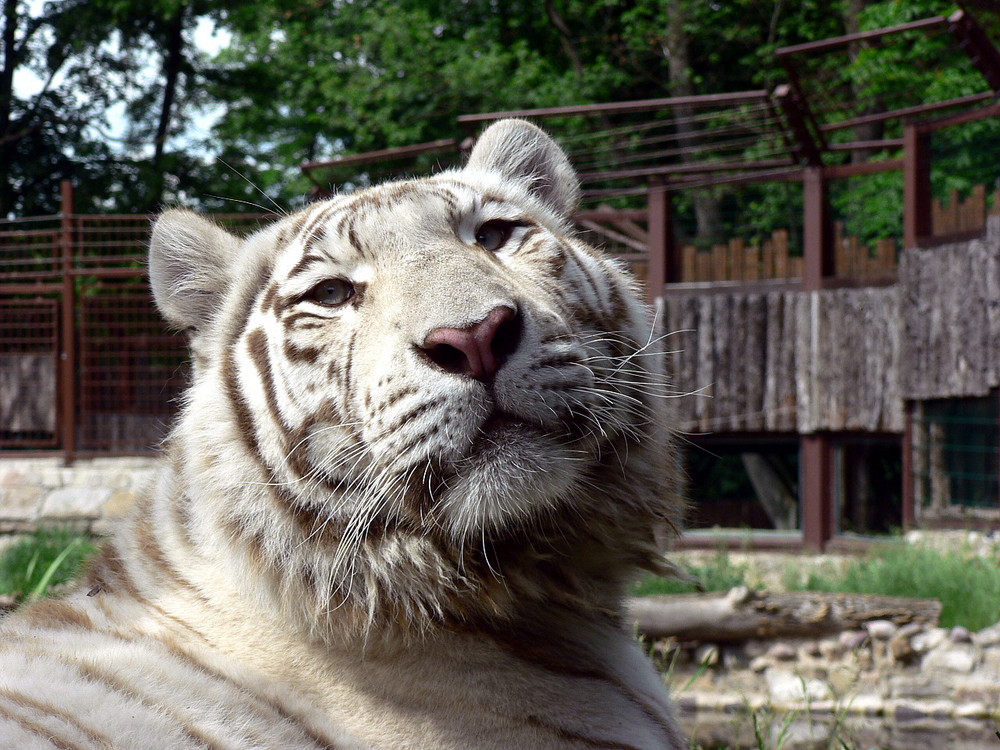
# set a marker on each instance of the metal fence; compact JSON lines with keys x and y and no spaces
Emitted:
{"x":86,"y":363}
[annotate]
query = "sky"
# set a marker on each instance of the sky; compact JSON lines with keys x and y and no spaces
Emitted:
{"x":207,"y":38}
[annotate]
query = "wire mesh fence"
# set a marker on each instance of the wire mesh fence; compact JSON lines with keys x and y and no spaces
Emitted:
{"x":956,"y":455}
{"x":86,"y":362}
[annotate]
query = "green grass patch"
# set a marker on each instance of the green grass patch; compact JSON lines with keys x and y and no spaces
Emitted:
{"x":718,"y":574}
{"x":967,"y":586}
{"x":47,"y":558}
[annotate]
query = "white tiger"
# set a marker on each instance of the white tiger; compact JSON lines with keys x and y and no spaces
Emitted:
{"x":422,"y":456}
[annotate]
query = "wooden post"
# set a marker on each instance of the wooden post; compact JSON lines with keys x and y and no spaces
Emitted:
{"x":67,"y":330}
{"x":909,"y":507}
{"x":817,"y":491}
{"x":917,"y":186}
{"x":663,"y":264}
{"x":817,"y":240}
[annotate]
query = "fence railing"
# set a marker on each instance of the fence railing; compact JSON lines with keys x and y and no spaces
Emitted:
{"x":86,"y":363}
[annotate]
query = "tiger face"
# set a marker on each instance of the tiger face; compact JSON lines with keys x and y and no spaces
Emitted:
{"x":430,"y":371}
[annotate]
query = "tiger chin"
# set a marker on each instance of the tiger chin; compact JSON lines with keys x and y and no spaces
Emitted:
{"x":425,"y":450}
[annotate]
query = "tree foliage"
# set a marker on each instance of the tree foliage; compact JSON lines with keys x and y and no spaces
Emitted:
{"x":129,"y":108}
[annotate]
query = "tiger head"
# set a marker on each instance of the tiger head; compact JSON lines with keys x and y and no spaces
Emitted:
{"x":421,"y":402}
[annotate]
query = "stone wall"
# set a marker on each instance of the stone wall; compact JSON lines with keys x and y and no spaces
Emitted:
{"x":90,"y":494}
{"x":885,"y":686}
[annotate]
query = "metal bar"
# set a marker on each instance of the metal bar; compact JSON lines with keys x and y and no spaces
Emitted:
{"x":38,"y":289}
{"x":817,"y":491}
{"x":841,"y":171}
{"x":66,"y":402}
{"x":817,"y":247}
{"x":884,"y":143}
{"x":612,"y":214}
{"x":920,"y":109}
{"x":792,"y":104}
{"x":974,"y":42}
{"x":642,"y":105}
{"x":991,"y":110}
{"x":385,"y":154}
{"x":669,"y":169}
{"x":658,"y":269}
{"x":917,"y":221}
{"x":836,"y":42}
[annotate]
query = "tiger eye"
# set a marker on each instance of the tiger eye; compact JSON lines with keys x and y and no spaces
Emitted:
{"x":494,"y":234}
{"x":331,"y":292}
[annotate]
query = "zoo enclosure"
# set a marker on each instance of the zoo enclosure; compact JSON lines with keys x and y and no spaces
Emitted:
{"x":87,"y":367}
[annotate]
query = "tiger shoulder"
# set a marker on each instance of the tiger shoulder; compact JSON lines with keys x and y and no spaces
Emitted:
{"x":422,"y":455}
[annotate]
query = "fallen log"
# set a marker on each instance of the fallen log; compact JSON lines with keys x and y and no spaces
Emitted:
{"x":742,"y":614}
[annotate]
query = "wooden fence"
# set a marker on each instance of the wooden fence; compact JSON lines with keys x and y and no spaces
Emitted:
{"x":772,"y":258}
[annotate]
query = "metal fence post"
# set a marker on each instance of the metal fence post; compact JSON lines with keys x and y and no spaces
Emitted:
{"x":67,"y":337}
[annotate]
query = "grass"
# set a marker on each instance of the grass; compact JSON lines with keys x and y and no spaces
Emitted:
{"x":967,"y":586}
{"x":30,"y":567}
{"x":719,"y":574}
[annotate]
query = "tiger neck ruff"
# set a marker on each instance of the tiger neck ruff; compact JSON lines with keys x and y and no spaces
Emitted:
{"x":424,"y":450}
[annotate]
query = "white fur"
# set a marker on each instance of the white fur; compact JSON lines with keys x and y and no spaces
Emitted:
{"x":341,"y":550}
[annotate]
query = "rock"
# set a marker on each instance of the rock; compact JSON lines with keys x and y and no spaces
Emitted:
{"x":929,"y":639}
{"x":901,"y":649}
{"x":960,"y":635}
{"x":786,"y":688}
{"x":918,"y":687}
{"x":20,"y":503}
{"x":988,"y":636}
{"x":760,"y":664}
{"x":831,"y":649}
{"x":75,"y":502}
{"x":900,"y":646}
{"x":706,"y":655}
{"x":950,"y":659}
{"x":853,"y":639}
{"x":782,"y":652}
{"x":842,"y":678}
{"x":881,"y":630}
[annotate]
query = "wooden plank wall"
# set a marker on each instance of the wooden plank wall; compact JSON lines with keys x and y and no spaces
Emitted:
{"x":785,"y":361}
{"x":951,"y":318}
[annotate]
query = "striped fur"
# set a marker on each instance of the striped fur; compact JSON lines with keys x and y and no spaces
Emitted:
{"x":358,"y":538}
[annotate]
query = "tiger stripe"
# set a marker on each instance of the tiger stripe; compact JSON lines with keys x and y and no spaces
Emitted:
{"x":358,"y":540}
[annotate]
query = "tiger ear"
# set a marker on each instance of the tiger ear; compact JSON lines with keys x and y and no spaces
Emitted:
{"x":525,"y":153}
{"x":189,"y":267}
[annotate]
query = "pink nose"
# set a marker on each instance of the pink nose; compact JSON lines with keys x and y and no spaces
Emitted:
{"x":478,"y":351}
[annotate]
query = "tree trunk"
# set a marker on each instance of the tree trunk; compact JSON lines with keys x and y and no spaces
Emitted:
{"x":9,"y":63}
{"x":706,"y":207}
{"x":743,"y":614}
{"x":173,"y":61}
{"x":871,"y":131}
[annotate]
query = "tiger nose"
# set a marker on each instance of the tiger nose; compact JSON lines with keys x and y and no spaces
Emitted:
{"x":478,"y":351}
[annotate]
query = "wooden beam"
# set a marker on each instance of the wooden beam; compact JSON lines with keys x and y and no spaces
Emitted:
{"x":817,"y":240}
{"x":662,"y":260}
{"x":817,"y":490}
{"x":917,"y":186}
